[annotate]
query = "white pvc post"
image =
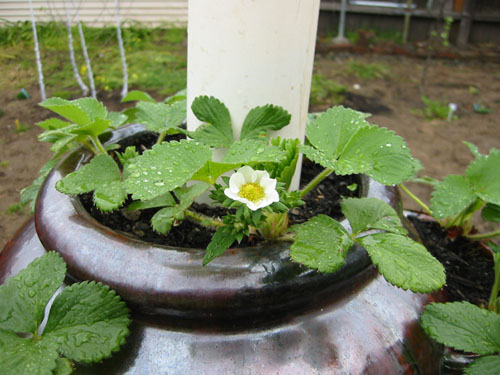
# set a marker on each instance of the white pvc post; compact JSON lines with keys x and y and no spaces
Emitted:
{"x":249,"y":53}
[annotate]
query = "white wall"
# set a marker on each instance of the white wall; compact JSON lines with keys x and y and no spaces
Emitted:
{"x":99,"y":13}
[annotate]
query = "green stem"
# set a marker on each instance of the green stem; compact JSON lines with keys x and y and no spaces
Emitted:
{"x":484,"y":236}
{"x":315,"y":181}
{"x":98,"y":145}
{"x":416,"y":199}
{"x":492,"y":305}
{"x":90,"y":146}
{"x":204,"y":220}
{"x":161,"y":137}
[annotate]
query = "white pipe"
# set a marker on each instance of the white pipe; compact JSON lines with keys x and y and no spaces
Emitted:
{"x":122,"y":50}
{"x":251,"y":53}
{"x":78,"y":78}
{"x":37,"y":53}
{"x":86,"y":57}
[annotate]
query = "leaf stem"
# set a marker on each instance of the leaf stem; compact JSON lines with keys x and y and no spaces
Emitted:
{"x":492,"y":303}
{"x":97,"y":143}
{"x":416,"y":199}
{"x":311,"y":185}
{"x":90,"y":146}
{"x":161,"y":137}
{"x":484,"y":236}
{"x":204,"y":220}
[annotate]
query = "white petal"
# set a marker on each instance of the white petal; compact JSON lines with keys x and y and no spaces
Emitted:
{"x":261,"y":175}
{"x":268,"y":184}
{"x":273,"y":196}
{"x":248,"y":173}
{"x":235,"y":182}
{"x":251,"y":205}
{"x":230,"y":194}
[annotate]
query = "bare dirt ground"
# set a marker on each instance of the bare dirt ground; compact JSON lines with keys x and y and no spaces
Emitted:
{"x":391,"y":99}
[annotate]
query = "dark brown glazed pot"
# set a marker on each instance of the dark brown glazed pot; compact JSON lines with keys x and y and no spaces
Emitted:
{"x":251,"y":311}
{"x":171,"y":281}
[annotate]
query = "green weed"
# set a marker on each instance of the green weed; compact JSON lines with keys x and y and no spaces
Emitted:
{"x":368,"y":70}
{"x":434,"y":109}
{"x":20,"y":127}
{"x":15,"y":208}
{"x":4,"y":163}
{"x":326,"y":91}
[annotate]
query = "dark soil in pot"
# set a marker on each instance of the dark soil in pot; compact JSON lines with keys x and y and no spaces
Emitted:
{"x":468,"y":264}
{"x":324,"y":199}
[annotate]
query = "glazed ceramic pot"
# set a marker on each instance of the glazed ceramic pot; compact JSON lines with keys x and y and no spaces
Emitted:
{"x":250,"y":311}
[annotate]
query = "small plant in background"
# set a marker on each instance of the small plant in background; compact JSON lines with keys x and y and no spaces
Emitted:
{"x":473,"y":90}
{"x":86,"y":321}
{"x":172,"y":174}
{"x":481,"y":109}
{"x":15,"y":208}
{"x":4,"y":163}
{"x":434,"y":109}
{"x":20,"y":127}
{"x":368,"y":70}
{"x":326,"y":91}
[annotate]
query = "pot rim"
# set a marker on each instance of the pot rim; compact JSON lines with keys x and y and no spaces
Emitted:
{"x":167,"y":280}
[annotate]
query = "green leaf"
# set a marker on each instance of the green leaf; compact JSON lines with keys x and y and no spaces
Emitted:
{"x":285,"y":170}
{"x":221,"y":241}
{"x":488,"y":365}
{"x":100,"y":174}
{"x":483,"y":174}
{"x":165,"y":167}
{"x":330,"y":131}
{"x":152,"y":115}
{"x":179,"y":95}
{"x":404,"y":262}
{"x":451,"y":196}
{"x":116,"y":119}
{"x":186,"y":195}
{"x":92,"y":107}
{"x":321,"y":243}
{"x":253,"y":151}
{"x":262,"y":119}
{"x":19,"y":356}
{"x":67,"y":110}
{"x":217,"y":130}
{"x":93,"y":128}
{"x":176,"y":113}
{"x":473,"y":148}
{"x":30,"y":193}
{"x":463,"y":326}
{"x":24,"y":296}
{"x":163,"y":220}
{"x":343,"y":141}
{"x":80,"y":111}
{"x":319,"y":157}
{"x":163,"y":200}
{"x":64,"y":367}
{"x":136,"y":95}
{"x":380,"y":154}
{"x":212,"y":170}
{"x":53,"y":124}
{"x":109,"y":196}
{"x":491,"y":212}
{"x":88,"y":321}
{"x":371,"y":213}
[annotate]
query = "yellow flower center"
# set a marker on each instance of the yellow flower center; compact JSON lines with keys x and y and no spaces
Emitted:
{"x":251,"y":191}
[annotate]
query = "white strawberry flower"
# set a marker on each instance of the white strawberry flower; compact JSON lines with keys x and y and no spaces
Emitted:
{"x":253,"y":188}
